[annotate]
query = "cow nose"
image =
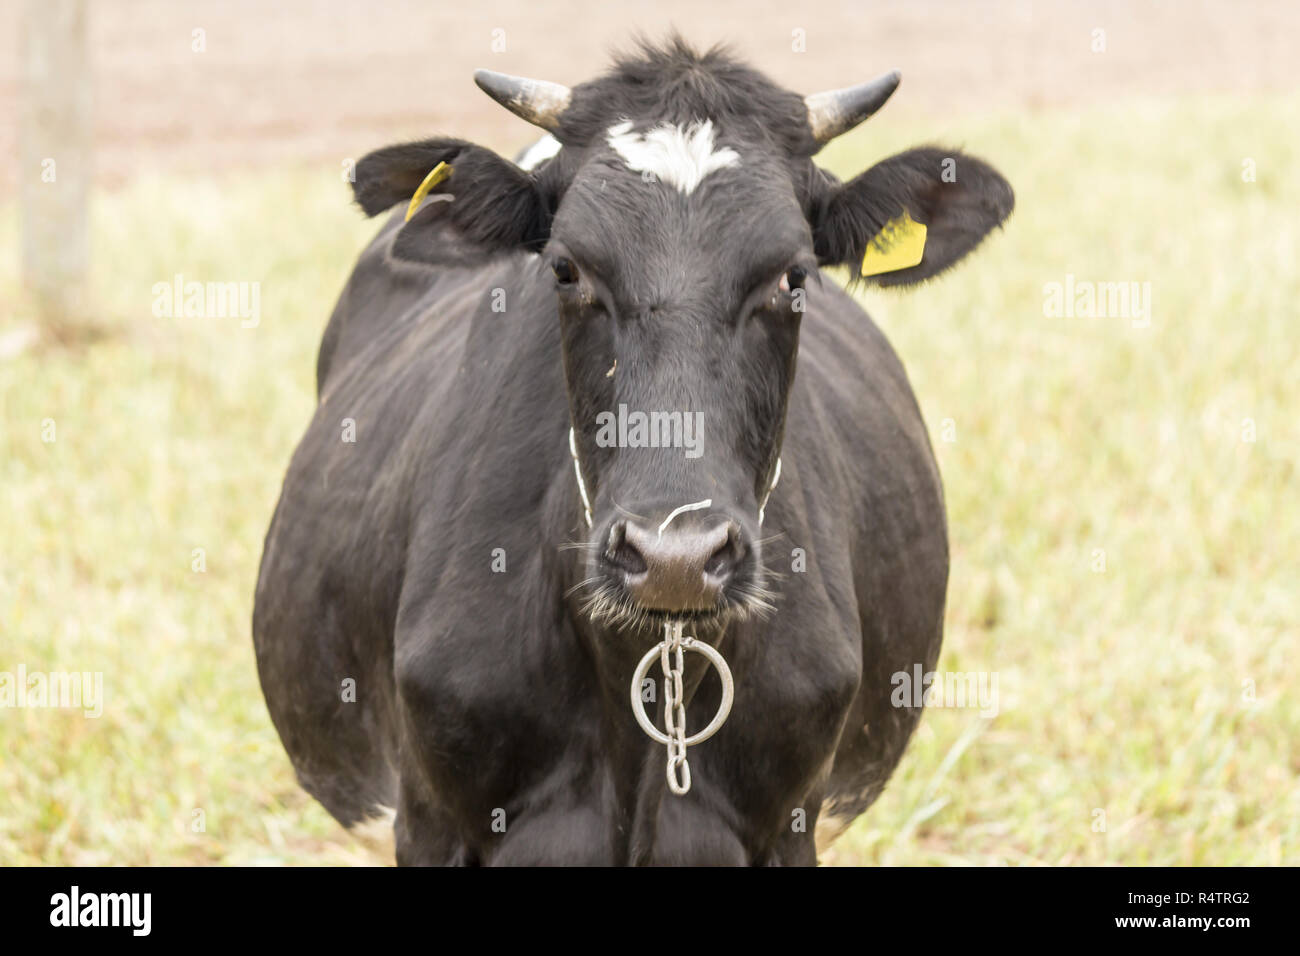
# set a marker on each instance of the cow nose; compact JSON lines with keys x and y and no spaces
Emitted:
{"x":683,"y":569}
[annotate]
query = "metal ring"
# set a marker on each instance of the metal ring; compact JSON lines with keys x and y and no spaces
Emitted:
{"x":724,"y":708}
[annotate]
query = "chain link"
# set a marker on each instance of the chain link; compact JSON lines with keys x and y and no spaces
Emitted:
{"x":671,"y":660}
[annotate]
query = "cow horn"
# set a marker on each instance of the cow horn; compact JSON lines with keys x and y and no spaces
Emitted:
{"x":537,"y":101}
{"x":833,"y":112}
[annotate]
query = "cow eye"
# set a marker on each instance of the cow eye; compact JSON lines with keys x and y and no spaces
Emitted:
{"x":566,"y":273}
{"x":794,"y":278}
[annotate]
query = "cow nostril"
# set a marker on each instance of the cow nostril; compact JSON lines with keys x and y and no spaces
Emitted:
{"x":622,"y":553}
{"x":724,"y":560}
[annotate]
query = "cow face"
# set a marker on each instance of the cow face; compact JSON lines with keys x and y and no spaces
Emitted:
{"x":680,"y":323}
{"x":681,"y":222}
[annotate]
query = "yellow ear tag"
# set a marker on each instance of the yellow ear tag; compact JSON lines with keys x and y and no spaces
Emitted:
{"x":900,"y":245}
{"x":436,"y":175}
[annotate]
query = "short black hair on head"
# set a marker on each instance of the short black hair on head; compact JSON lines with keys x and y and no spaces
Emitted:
{"x":671,"y":82}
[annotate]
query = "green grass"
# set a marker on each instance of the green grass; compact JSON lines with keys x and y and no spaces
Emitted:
{"x":1121,"y":691}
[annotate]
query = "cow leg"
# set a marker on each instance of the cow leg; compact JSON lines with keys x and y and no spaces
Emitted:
{"x":425,"y":833}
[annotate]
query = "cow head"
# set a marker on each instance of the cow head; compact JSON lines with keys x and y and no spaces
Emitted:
{"x":682,"y":222}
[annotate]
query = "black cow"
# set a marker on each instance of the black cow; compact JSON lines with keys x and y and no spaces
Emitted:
{"x":452,"y":604}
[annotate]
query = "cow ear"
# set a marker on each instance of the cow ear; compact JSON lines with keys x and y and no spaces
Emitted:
{"x":909,"y":217}
{"x":477,"y":205}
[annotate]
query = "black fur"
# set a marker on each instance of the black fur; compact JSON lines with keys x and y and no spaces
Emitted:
{"x":674,"y":84}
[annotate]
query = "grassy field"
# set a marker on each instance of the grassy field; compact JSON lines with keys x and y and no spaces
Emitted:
{"x":1124,"y":554}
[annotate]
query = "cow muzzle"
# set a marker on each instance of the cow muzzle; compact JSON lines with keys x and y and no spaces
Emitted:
{"x":675,"y":569}
{"x":702,"y":560}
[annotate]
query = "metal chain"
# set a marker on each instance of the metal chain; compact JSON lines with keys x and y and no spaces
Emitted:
{"x":671,"y":660}
{"x":670,"y":652}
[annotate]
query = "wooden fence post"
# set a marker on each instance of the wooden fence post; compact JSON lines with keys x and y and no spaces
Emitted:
{"x":55,"y":151}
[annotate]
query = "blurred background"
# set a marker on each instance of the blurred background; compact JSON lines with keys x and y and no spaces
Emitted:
{"x":1121,"y":488}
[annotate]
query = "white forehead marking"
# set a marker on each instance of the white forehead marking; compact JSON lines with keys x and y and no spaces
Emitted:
{"x":679,"y":156}
{"x":539,"y":152}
